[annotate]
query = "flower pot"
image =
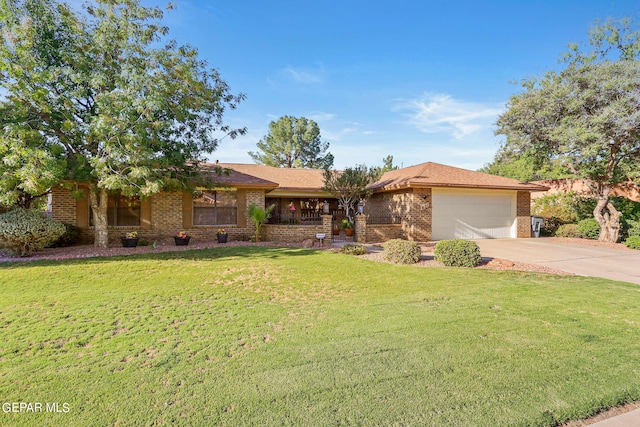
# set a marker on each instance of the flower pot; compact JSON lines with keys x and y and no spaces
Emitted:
{"x":129,"y":242}
{"x":348,"y":232}
{"x":182,"y":241}
{"x":222,"y":238}
{"x":336,"y":231}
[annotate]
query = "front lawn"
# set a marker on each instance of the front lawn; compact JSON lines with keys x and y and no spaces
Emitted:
{"x":272,"y":336}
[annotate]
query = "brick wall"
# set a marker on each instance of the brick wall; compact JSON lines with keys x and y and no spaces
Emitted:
{"x":382,"y":232}
{"x":523,"y":214}
{"x":63,"y":205}
{"x":166,"y":212}
{"x":419,"y":228}
{"x":414,"y":205}
{"x":291,"y":233}
{"x":390,"y":202}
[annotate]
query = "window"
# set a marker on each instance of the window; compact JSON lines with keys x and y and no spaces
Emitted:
{"x":215,"y":208}
{"x":122,"y":211}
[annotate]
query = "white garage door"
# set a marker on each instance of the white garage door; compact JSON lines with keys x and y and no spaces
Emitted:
{"x":471,"y":214}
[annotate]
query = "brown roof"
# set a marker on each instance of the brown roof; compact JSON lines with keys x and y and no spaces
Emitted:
{"x":288,"y":179}
{"x":436,"y":175}
{"x":235,"y":178}
{"x":292,"y":180}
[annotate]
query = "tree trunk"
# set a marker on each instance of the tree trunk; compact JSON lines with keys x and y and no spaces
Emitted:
{"x":608,"y":218}
{"x":99,"y":205}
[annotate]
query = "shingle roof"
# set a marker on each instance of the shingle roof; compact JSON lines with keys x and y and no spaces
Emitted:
{"x":427,"y":174}
{"x":431,"y":174}
{"x":288,"y":179}
{"x":235,"y":177}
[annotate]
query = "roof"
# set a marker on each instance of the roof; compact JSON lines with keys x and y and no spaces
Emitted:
{"x":431,"y":174}
{"x":287,"y":179}
{"x":290,"y":181}
{"x":235,"y":178}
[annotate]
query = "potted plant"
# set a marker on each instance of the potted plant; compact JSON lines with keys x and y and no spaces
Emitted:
{"x":130,"y":240}
{"x":336,"y":229}
{"x":222,"y":235}
{"x":181,"y":239}
{"x":347,"y":225}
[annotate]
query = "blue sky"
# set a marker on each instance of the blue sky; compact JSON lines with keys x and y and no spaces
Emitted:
{"x":420,"y":80}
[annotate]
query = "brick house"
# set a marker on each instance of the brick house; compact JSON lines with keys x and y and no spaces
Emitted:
{"x":424,"y":202}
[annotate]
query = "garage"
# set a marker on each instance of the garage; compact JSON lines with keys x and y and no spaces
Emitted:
{"x":473,"y":214}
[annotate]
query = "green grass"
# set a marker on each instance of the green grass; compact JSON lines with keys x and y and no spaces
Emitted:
{"x":273,"y":336}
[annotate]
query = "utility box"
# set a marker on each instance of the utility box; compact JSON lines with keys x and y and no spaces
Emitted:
{"x":536,"y":224}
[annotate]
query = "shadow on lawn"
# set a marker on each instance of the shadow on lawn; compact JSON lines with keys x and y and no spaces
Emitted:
{"x":269,"y":252}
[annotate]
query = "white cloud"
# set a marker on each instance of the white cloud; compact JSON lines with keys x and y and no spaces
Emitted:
{"x":303,"y":75}
{"x":321,"y":117}
{"x":435,"y":113}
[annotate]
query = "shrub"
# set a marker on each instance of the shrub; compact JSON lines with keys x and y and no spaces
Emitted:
{"x":23,"y":232}
{"x":556,"y":209}
{"x":351,"y":249}
{"x":633,"y":228}
{"x":457,"y":253}
{"x":633,"y":242}
{"x":402,"y":251}
{"x":567,"y":230}
{"x":70,"y":237}
{"x":589,"y":229}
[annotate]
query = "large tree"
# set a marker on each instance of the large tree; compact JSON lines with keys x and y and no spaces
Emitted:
{"x":105,"y":96}
{"x":586,"y":117}
{"x":531,"y":165}
{"x":293,"y":143}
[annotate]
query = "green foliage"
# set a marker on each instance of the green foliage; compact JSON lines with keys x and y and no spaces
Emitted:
{"x":530,"y":165}
{"x":584,"y":207}
{"x":567,"y":230}
{"x":350,"y":185}
{"x":556,"y":209}
{"x":589,"y":229}
{"x":628,"y":208}
{"x":102,"y":97}
{"x":23,"y":231}
{"x":70,"y":237}
{"x":387,"y":166}
{"x":633,"y":228}
{"x":402,"y":251}
{"x":633,"y":242}
{"x":457,"y":253}
{"x":354,"y":249}
{"x":259,"y":215}
{"x":293,"y":143}
{"x":346,"y":224}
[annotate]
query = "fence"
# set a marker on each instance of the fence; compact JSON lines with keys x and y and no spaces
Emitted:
{"x":306,"y":217}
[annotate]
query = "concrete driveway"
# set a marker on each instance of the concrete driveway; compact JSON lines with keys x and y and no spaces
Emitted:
{"x":614,"y":264}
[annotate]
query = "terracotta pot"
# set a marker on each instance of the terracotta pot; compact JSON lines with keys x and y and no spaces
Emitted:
{"x":348,"y":232}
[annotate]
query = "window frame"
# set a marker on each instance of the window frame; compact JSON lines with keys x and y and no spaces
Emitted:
{"x":112,"y":210}
{"x":232,"y":217}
